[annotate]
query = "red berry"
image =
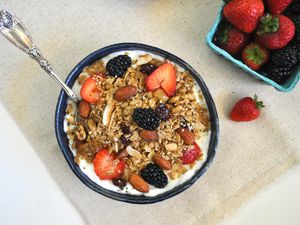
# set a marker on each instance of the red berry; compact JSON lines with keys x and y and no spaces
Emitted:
{"x":107,"y":166}
{"x":89,"y":91}
{"x":163,"y":77}
{"x":254,"y":56}
{"x":246,"y":109}
{"x":277,"y":6}
{"x":244,"y":14}
{"x":275,"y":32}
{"x":190,"y":155}
{"x":232,"y":40}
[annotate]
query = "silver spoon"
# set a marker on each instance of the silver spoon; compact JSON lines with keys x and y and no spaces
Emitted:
{"x":15,"y":31}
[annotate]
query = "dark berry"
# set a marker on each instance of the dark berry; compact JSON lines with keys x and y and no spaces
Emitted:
{"x":118,"y":65}
{"x":146,"y":118}
{"x":163,"y":112}
{"x":278,"y":74}
{"x":296,"y":7}
{"x":125,"y":129}
{"x":125,"y":141}
{"x":154,"y":175}
{"x":285,"y":57}
{"x":119,"y":182}
{"x":148,"y":68}
{"x":297,"y":49}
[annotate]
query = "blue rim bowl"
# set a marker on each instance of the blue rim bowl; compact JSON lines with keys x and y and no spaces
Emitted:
{"x":63,"y":140}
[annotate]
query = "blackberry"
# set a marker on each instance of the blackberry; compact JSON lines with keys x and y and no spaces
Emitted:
{"x":147,"y":68}
{"x":278,"y":74}
{"x":296,"y":7}
{"x":296,"y":21}
{"x":163,"y":112}
{"x":146,"y":118}
{"x":154,"y":175}
{"x":297,"y":49}
{"x":118,"y":65}
{"x":285,"y":57}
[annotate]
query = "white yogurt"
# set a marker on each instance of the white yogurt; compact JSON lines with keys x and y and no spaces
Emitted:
{"x":88,"y":168}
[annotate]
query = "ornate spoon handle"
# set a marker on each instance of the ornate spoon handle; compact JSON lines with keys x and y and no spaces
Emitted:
{"x":15,"y":31}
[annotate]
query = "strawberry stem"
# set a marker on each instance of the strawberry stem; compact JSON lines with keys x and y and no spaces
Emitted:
{"x":268,"y":24}
{"x":259,"y":104}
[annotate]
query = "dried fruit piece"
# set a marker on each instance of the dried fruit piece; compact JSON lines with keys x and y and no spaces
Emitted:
{"x":84,"y":109}
{"x":124,"y":93}
{"x":163,"y":112}
{"x":187,"y":136}
{"x":162,"y":163}
{"x":138,"y":183}
{"x":149,"y":135}
{"x":123,"y":154}
{"x":125,"y":141}
{"x":119,"y":182}
{"x":125,"y":129}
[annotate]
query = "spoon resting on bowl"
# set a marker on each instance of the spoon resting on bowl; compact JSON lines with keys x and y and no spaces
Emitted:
{"x":15,"y":31}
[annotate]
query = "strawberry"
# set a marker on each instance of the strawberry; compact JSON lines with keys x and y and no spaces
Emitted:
{"x":278,"y":6}
{"x":275,"y":32}
{"x":107,"y":166}
{"x":89,"y":91}
{"x":246,"y":109}
{"x":190,"y":155}
{"x":231,"y":40}
{"x":163,"y":77}
{"x":244,"y":14}
{"x":254,"y":56}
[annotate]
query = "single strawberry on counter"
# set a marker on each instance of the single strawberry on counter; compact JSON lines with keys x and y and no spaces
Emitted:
{"x":244,"y":14}
{"x":89,"y":91}
{"x":191,"y":155}
{"x":163,"y":77}
{"x":277,"y":6}
{"x":254,"y":56}
{"x":231,"y":39}
{"x":246,"y":109}
{"x":275,"y":31}
{"x":107,"y":166}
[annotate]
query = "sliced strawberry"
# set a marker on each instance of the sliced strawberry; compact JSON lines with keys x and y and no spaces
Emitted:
{"x":164,"y":77}
{"x":190,"y":155}
{"x":90,"y":92}
{"x":107,"y":166}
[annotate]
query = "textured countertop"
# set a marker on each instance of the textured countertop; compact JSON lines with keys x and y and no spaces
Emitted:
{"x":250,"y":155}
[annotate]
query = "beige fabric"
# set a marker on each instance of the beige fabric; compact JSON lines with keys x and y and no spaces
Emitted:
{"x":250,"y":155}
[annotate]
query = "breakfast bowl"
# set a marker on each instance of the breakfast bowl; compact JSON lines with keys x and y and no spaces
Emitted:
{"x":66,"y":112}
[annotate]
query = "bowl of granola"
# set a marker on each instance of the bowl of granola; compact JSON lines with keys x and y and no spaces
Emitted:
{"x":146,"y":127}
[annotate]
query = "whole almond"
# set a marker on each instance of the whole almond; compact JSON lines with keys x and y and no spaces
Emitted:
{"x":162,"y":163}
{"x":138,"y":183}
{"x":122,"y":154}
{"x":149,"y":135}
{"x":84,"y":109}
{"x":125,"y":93}
{"x":187,"y":136}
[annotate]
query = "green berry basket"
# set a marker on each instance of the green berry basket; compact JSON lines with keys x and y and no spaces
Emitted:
{"x":287,"y":86}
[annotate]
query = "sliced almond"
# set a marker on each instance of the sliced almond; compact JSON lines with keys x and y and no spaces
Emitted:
{"x":134,"y":153}
{"x":110,"y":107}
{"x":144,"y":59}
{"x":171,"y":147}
{"x":138,"y":183}
{"x":162,"y":163}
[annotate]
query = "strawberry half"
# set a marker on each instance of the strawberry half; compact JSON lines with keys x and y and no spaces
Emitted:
{"x":190,"y":155}
{"x":275,"y":32}
{"x":163,"y":77}
{"x":89,"y":91}
{"x":278,"y":6}
{"x":246,"y":109}
{"x":254,"y":56}
{"x":244,"y":14}
{"x":107,"y":166}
